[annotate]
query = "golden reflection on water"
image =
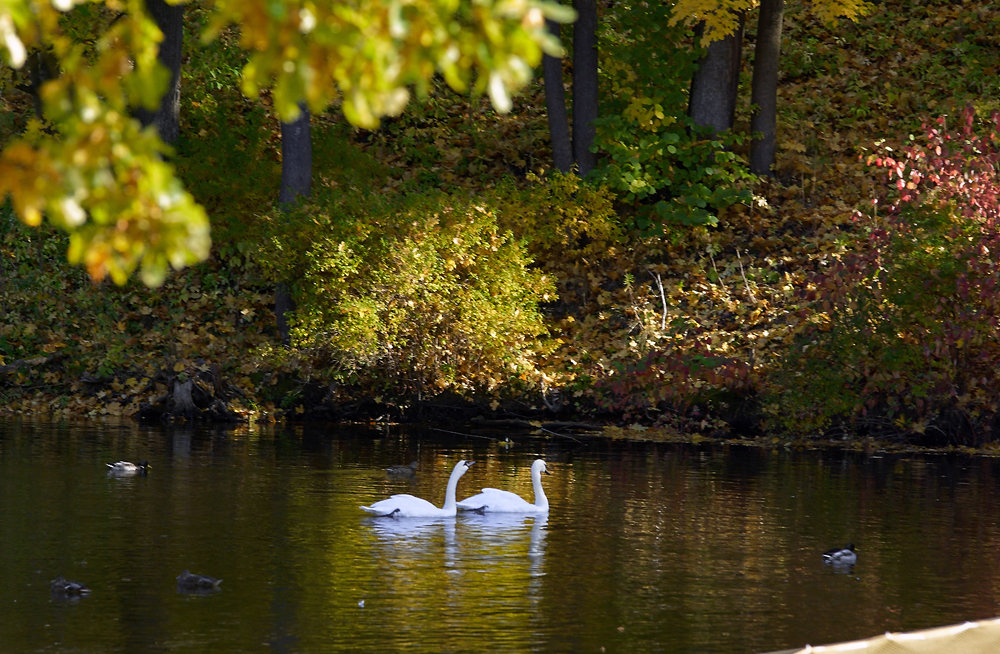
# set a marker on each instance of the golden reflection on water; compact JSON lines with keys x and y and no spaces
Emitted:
{"x":646,"y":547}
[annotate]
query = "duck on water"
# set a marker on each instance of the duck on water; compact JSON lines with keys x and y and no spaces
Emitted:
{"x":127,"y":468}
{"x":841,"y":556}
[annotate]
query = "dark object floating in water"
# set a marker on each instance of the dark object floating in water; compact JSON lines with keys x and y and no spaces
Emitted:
{"x":65,"y":588}
{"x":838,"y":556}
{"x":127,"y":468}
{"x":403,"y":471}
{"x":195,"y":583}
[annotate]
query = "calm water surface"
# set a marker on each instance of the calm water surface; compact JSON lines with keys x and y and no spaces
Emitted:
{"x":647,"y":548}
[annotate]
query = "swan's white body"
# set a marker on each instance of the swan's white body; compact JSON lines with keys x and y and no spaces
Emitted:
{"x":409,"y":506}
{"x":841,"y":557}
{"x":494,"y":500}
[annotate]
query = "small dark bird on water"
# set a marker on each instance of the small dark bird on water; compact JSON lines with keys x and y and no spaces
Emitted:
{"x":191,"y":582}
{"x":403,"y":471}
{"x":127,"y":468}
{"x":841,"y":556}
{"x":66,"y":588}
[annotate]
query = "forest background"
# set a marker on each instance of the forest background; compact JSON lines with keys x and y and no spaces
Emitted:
{"x":443,"y":264}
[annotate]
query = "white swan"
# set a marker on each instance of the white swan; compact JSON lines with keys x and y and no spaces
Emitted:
{"x":493,"y":500}
{"x":408,"y":506}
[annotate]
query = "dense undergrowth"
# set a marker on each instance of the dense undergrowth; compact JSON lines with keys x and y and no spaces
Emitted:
{"x":440,"y":264}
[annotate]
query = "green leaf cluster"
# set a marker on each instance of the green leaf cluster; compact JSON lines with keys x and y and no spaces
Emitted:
{"x":422,"y":296}
{"x":655,"y":158}
{"x":570,"y":227}
{"x":88,"y":167}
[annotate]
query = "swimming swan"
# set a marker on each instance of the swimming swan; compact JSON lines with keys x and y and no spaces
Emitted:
{"x":493,"y":500}
{"x":408,"y":506}
{"x":841,"y":556}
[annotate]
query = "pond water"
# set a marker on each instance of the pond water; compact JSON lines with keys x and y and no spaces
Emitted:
{"x":647,"y":547}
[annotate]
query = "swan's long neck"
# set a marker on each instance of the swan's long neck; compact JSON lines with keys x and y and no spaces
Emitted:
{"x":541,"y":501}
{"x":449,"y":493}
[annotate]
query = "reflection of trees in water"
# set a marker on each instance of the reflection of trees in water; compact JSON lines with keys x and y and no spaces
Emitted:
{"x":467,"y":579}
{"x":697,"y":540}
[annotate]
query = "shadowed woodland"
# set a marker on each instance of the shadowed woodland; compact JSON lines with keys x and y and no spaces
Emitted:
{"x":649,"y":237}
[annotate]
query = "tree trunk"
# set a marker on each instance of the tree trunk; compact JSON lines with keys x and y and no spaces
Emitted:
{"x":764,"y":91}
{"x":296,"y":181}
{"x":716,"y":82}
{"x":40,"y":66}
{"x":182,"y":402}
{"x":296,"y":159}
{"x":555,"y":105}
{"x":170,"y":19}
{"x":584,"y":84}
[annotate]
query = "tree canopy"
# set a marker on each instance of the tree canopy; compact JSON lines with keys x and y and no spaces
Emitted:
{"x":91,"y":169}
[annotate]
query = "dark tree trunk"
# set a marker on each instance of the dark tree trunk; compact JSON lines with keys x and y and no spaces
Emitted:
{"x":716,"y":83}
{"x":170,"y":19}
{"x":182,"y":402}
{"x":296,"y":182}
{"x":296,"y":158}
{"x":555,"y":105}
{"x":584,"y":84}
{"x":40,"y":67}
{"x":764,"y":92}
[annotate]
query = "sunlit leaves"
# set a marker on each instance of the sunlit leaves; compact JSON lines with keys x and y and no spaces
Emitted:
{"x":14,"y":48}
{"x":93,"y":173}
{"x":720,"y":18}
{"x":442,"y":297}
{"x":91,"y":169}
{"x":830,"y":10}
{"x":369,"y":55}
{"x":105,"y":182}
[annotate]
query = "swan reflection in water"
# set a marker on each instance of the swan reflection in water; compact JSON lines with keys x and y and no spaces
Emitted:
{"x":483,"y":539}
{"x":409,"y":541}
{"x":496,"y":538}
